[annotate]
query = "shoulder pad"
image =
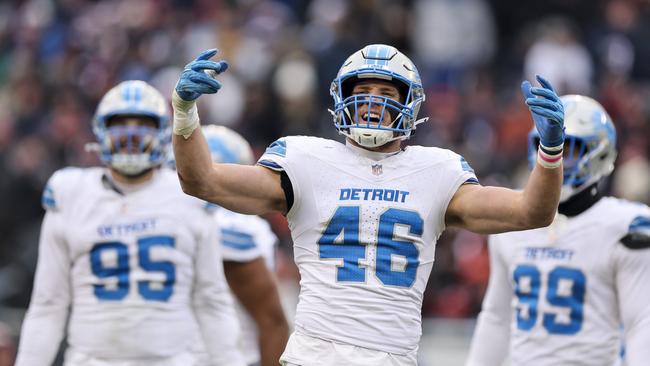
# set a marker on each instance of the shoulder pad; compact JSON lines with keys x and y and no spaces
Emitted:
{"x":638,"y":235}
{"x":56,"y":187}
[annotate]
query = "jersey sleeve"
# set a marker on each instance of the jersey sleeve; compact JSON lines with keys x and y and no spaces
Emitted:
{"x":212,"y":302}
{"x":44,"y":323}
{"x":491,"y":337}
{"x":286,"y":155}
{"x":455,"y":172}
{"x":244,"y":237}
{"x":633,"y":284}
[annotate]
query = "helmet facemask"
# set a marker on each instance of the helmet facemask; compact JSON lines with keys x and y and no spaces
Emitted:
{"x":132,"y":149}
{"x":349,"y":114}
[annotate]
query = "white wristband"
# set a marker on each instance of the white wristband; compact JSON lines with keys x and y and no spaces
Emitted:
{"x":549,"y":161}
{"x":186,"y":116}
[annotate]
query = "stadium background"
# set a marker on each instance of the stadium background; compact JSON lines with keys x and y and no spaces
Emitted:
{"x":58,"y":57}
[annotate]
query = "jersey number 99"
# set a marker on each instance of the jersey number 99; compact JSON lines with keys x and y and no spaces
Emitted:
{"x":529,"y":297}
{"x":120,"y":270}
{"x":351,"y":250}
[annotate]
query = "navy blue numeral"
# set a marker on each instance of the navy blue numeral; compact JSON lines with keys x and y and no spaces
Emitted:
{"x":344,"y":226}
{"x":120,"y":270}
{"x":573,"y":301}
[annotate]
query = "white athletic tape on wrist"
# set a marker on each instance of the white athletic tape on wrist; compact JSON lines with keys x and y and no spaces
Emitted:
{"x":186,"y":116}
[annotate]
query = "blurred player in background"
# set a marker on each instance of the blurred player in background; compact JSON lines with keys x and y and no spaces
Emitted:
{"x":135,"y":259}
{"x":248,"y":249}
{"x":558,"y":295}
{"x":365,"y":215}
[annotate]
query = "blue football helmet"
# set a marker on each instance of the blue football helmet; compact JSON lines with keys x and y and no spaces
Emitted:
{"x":132,"y":149}
{"x":226,"y":146}
{"x":386,"y":63}
{"x":589,"y":145}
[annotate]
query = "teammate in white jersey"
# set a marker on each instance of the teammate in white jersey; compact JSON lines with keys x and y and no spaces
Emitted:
{"x":365,"y":215}
{"x":248,"y":247}
{"x":132,"y":260}
{"x":559,"y":295}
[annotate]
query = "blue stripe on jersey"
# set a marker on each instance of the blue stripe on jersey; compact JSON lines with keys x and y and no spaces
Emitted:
{"x":278,"y":147}
{"x":270,"y":164}
{"x":47,"y":200}
{"x":640,"y":223}
{"x":471,"y":181}
{"x":237,"y":239}
{"x":465,"y":165}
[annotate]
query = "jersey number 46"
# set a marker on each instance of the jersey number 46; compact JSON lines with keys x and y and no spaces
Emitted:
{"x":346,"y":219}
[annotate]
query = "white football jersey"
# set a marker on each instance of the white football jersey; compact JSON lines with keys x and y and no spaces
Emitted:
{"x":562,"y":293}
{"x":245,"y":238}
{"x":139,"y":269}
{"x":364,"y":234}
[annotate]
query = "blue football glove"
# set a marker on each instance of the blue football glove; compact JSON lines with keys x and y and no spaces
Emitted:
{"x":547,"y":111}
{"x":194,"y":80}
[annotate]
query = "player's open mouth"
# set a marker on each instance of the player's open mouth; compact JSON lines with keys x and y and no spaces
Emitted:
{"x":371,"y":117}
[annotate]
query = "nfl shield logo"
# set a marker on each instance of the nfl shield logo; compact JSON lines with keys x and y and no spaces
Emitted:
{"x":376,"y":169}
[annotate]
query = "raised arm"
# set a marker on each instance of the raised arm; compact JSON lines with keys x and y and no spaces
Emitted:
{"x":490,"y":210}
{"x":244,"y":189}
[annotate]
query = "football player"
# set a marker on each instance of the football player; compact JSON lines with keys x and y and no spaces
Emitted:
{"x":127,"y":255}
{"x":558,"y":295}
{"x":248,"y":250}
{"x":365,"y":215}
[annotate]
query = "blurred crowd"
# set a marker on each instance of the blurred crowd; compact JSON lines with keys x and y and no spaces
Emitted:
{"x":58,"y":57}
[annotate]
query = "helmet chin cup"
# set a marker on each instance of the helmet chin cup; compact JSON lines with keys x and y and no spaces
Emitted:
{"x":368,"y":137}
{"x":130,"y":164}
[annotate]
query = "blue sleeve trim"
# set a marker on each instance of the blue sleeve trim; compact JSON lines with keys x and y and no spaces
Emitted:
{"x":47,"y":200}
{"x":278,"y":147}
{"x":640,"y":223}
{"x":638,"y":235}
{"x":237,"y":239}
{"x":270,"y":164}
{"x":465,"y":165}
{"x":471,"y":181}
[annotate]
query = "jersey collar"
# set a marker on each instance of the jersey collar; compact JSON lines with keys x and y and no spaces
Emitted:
{"x":372,"y":155}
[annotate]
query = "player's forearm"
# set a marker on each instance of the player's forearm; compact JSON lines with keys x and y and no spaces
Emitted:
{"x":193,"y":163}
{"x":273,"y":333}
{"x":489,"y":345}
{"x":273,"y":338}
{"x":541,"y":196}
